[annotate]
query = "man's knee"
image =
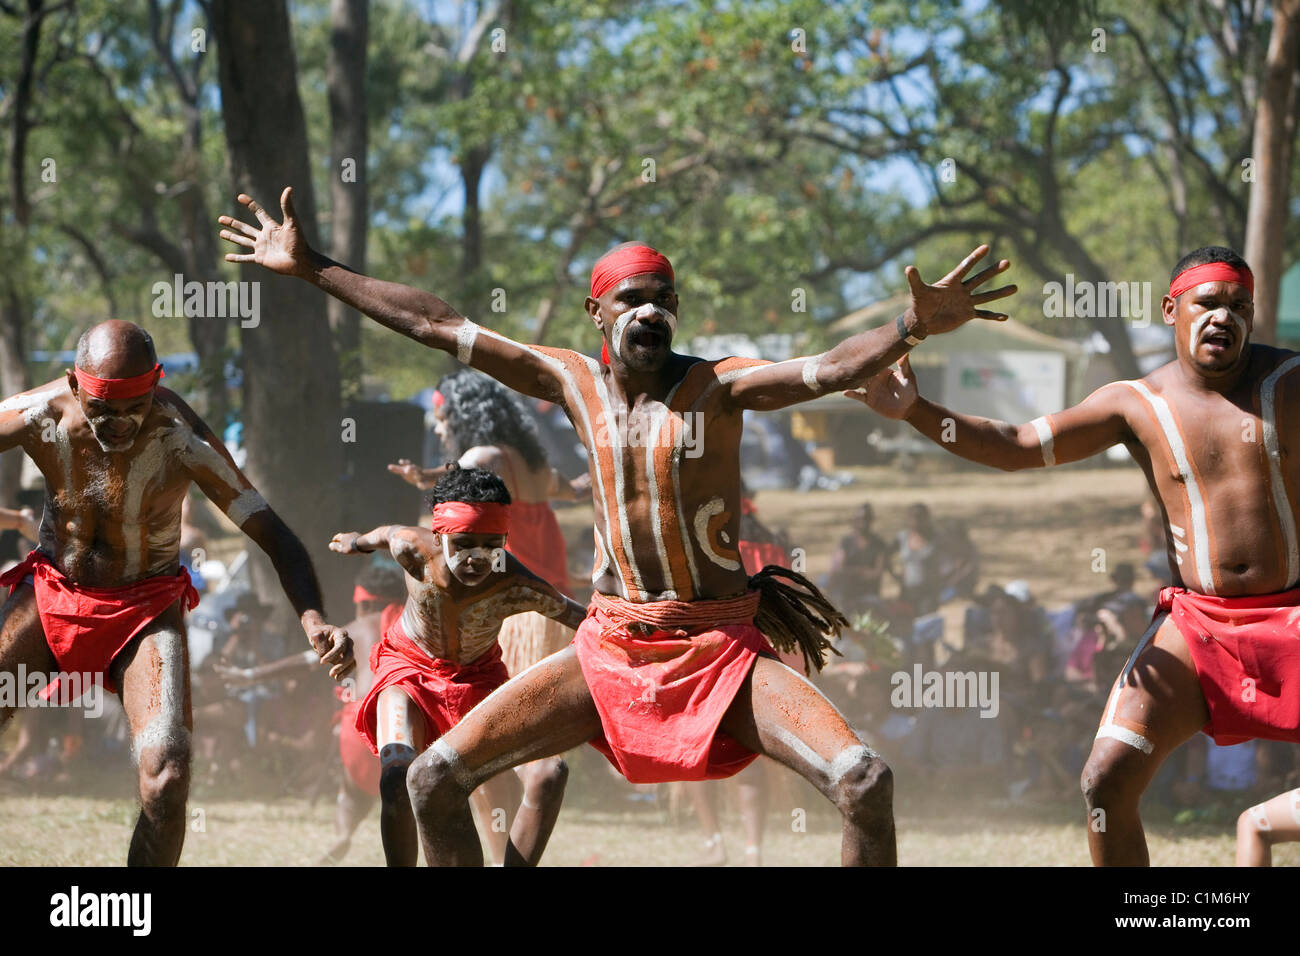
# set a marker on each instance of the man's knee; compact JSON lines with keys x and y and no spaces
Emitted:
{"x":1253,"y":824}
{"x":547,"y":781}
{"x":165,"y":779}
{"x":437,"y":779}
{"x":395,"y":762}
{"x":1108,"y":780}
{"x":863,"y":785}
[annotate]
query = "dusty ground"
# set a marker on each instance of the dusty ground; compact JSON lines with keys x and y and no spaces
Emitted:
{"x":1036,"y":526}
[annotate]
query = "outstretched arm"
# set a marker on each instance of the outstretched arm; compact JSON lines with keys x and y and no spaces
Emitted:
{"x":409,"y":547}
{"x":210,"y":466}
{"x":934,"y":309}
{"x":1080,"y":432}
{"x":282,"y":247}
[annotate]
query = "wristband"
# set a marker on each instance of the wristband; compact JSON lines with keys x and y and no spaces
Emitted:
{"x":904,"y":334}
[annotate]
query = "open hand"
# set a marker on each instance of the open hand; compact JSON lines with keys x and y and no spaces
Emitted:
{"x":951,"y":301}
{"x":890,"y":392}
{"x":408,"y":471}
{"x":280,"y":246}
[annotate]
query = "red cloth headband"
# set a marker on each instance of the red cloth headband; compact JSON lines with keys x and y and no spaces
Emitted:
{"x":624,"y":263}
{"x":1211,"y":272}
{"x":118,"y":387}
{"x":360,"y":594}
{"x":464,"y":517}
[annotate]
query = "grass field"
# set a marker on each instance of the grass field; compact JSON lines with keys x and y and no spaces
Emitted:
{"x":1039,"y":527}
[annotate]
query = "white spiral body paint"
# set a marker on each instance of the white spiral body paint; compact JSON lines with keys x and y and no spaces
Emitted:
{"x":166,"y":730}
{"x":466,"y":333}
{"x":1195,"y":503}
{"x":714,"y":506}
{"x":1281,"y":504}
{"x":1046,"y":440}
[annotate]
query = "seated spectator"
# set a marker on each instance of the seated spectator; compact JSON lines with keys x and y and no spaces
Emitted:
{"x":858,"y":565}
{"x":918,"y":553}
{"x":959,"y":563}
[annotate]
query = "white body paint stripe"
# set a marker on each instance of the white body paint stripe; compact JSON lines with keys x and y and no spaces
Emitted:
{"x":1110,"y":728}
{"x":809,"y":371}
{"x":652,"y":443}
{"x":1200,"y":527}
{"x":594,"y":460}
{"x":1045,"y":439}
{"x":466,"y":333}
{"x":620,"y":500}
{"x":1285,"y":517}
{"x":1126,"y":736}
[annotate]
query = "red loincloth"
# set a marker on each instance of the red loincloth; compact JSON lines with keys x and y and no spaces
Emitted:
{"x":443,"y":691}
{"x":361,"y":766}
{"x":662,"y":695}
{"x":1247,"y":656}
{"x":86,"y":628}
{"x":536,"y":540}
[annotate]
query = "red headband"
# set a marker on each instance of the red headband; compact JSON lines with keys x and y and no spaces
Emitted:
{"x":360,"y":594}
{"x":1211,"y":272}
{"x":623,"y":264}
{"x":464,"y":517}
{"x":118,"y":387}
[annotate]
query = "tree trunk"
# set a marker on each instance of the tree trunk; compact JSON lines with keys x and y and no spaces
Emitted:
{"x":1271,"y":150}
{"x":292,"y":419}
{"x":349,"y":190}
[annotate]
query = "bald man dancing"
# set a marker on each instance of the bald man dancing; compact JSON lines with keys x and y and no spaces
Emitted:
{"x":671,"y":675}
{"x":104,"y":593}
{"x":1212,"y":431}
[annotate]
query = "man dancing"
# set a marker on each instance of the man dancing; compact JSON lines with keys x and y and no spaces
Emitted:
{"x":1212,"y":433}
{"x":105,"y":593}
{"x":669,"y":675}
{"x":439,"y":657}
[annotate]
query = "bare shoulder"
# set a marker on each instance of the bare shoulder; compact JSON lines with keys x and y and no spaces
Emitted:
{"x":483,"y":456}
{"x":409,"y":540}
{"x":52,"y":399}
{"x":178,"y":411}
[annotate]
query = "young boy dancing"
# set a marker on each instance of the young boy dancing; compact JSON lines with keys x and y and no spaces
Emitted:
{"x":440,"y":657}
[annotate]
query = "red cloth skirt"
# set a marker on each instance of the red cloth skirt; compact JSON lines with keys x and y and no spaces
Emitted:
{"x":1247,"y":656}
{"x":86,"y":628}
{"x":536,"y":540}
{"x":443,"y":691}
{"x":661,"y":696}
